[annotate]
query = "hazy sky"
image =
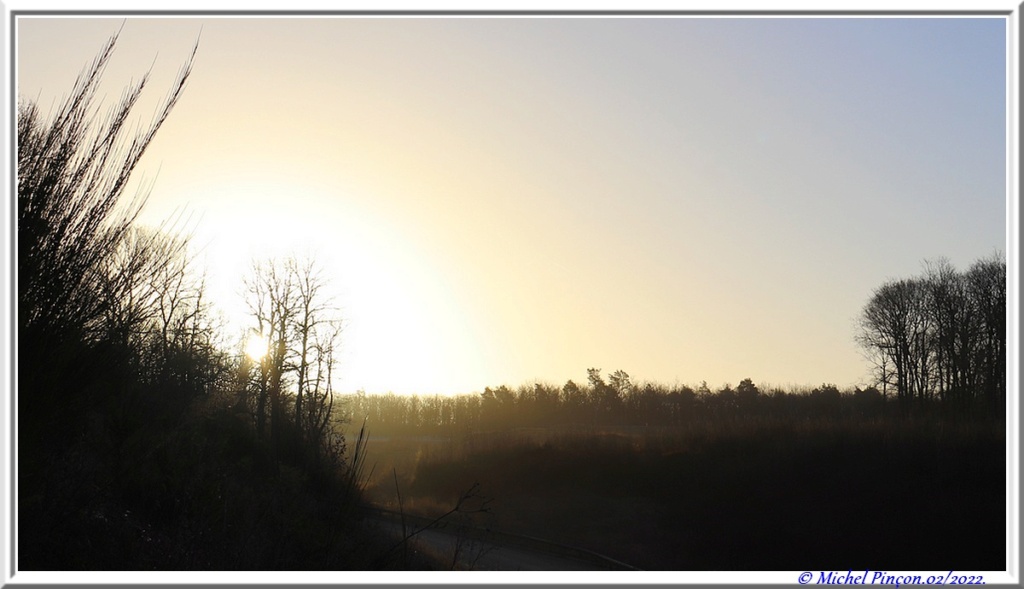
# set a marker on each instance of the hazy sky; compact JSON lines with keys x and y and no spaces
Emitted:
{"x":500,"y":200}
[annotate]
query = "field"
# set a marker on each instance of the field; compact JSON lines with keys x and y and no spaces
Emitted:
{"x":757,"y":495}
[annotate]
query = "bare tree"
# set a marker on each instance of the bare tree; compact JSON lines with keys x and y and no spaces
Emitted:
{"x":941,"y":336}
{"x":319,"y":407}
{"x":309,"y":285}
{"x":893,"y":323}
{"x":271,"y":298}
{"x":183,"y":331}
{"x":288,"y":302}
{"x":986,"y":285}
{"x":954,"y":321}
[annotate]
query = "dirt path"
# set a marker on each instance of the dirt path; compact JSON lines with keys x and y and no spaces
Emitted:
{"x":472,"y":549}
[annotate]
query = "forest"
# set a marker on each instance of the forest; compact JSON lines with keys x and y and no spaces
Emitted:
{"x":148,"y":440}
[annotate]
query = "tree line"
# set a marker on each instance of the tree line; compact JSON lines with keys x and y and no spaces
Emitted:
{"x":599,"y":403}
{"x":936,"y":343}
{"x":941,"y":337}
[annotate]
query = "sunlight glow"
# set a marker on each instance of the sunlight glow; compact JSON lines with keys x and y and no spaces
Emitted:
{"x":405,"y":332}
{"x":465,"y":227}
{"x":256,"y":346}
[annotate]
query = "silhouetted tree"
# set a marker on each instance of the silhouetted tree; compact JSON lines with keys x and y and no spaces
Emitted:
{"x":869,"y":401}
{"x":573,"y":401}
{"x":950,"y":315}
{"x":288,"y":304}
{"x":680,"y":404}
{"x":318,"y":410}
{"x":156,"y":311}
{"x":894,"y":322}
{"x":607,"y":397}
{"x":316,"y":332}
{"x":271,"y":298}
{"x":747,"y":392}
{"x":703,"y":391}
{"x":986,"y":287}
{"x":73,"y":169}
{"x":941,"y":336}
{"x":619,"y":381}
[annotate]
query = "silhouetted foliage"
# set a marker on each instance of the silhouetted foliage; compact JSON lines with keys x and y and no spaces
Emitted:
{"x":132,"y":451}
{"x":941,"y":337}
{"x":576,"y":407}
{"x":73,"y":169}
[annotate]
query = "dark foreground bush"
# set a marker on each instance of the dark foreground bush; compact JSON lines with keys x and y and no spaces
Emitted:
{"x":207,"y":496}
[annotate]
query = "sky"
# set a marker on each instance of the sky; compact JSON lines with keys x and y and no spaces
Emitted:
{"x":509,"y":200}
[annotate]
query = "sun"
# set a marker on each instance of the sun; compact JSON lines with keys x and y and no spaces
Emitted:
{"x":256,"y":346}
